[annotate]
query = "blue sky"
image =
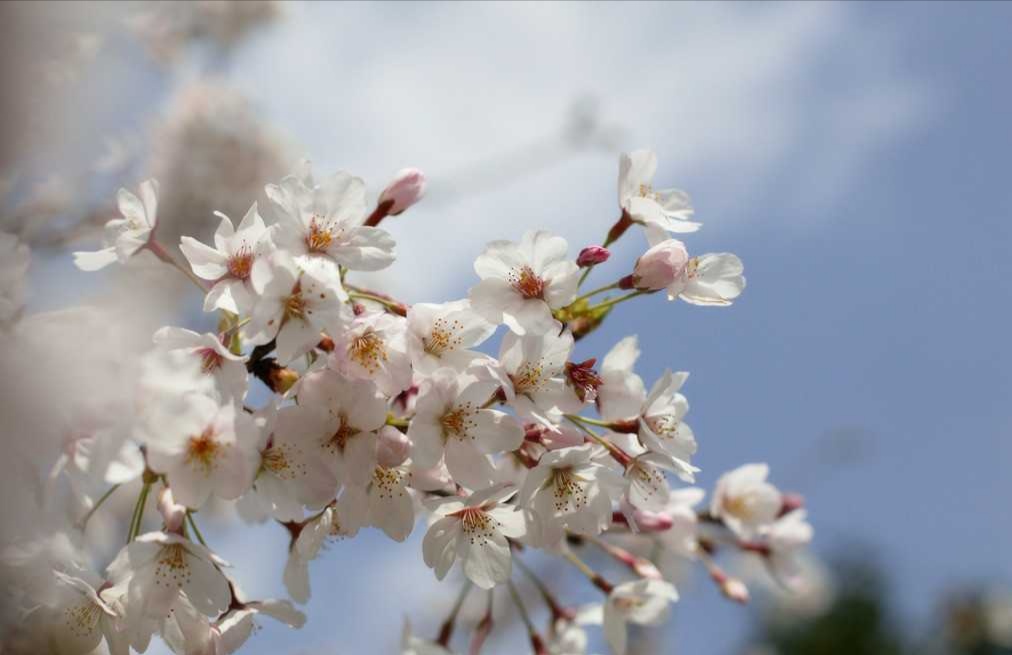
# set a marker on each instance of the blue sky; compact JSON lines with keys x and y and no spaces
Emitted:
{"x":855,"y":156}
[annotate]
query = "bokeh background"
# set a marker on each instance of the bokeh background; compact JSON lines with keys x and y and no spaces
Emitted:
{"x":856,"y":157}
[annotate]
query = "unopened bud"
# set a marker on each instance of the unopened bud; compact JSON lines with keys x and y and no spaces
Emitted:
{"x":734,"y":589}
{"x":407,"y":188}
{"x":593,"y":255}
{"x":173,"y":514}
{"x":392,"y":447}
{"x":790,"y":502}
{"x":661,"y":265}
{"x":652,"y":521}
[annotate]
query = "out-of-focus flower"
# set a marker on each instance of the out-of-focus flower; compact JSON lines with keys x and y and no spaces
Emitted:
{"x":125,"y":236}
{"x":745,"y":501}
{"x":642,"y":602}
{"x":226,"y":368}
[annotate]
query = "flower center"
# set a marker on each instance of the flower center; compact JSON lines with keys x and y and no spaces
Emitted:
{"x":647,"y":191}
{"x":740,"y":506}
{"x":527,"y":379}
{"x":692,"y":267}
{"x":442,"y":337}
{"x":210,"y":359}
{"x":82,"y":618}
{"x":340,"y":438}
{"x":567,"y":489}
{"x":276,"y":460}
{"x":387,"y":482}
{"x":295,"y":305}
{"x":478,"y":526}
{"x":241,"y":263}
{"x":172,"y":570}
{"x":202,"y":450}
{"x":368,"y":350}
{"x":320,"y":235}
{"x":526,"y":283}
{"x":665,"y":425}
{"x":458,"y":422}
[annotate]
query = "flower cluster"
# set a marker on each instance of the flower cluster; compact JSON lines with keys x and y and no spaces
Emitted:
{"x":382,"y":413}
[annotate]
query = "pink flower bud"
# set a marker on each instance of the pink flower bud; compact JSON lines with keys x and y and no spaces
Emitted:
{"x":407,"y":188}
{"x":661,"y":265}
{"x":592,"y":255}
{"x":734,"y":589}
{"x":392,"y":448}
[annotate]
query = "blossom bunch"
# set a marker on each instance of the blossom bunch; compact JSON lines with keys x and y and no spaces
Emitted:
{"x":370,"y":412}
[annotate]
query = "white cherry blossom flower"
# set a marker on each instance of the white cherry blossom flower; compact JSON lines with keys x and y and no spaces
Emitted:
{"x":292,"y":475}
{"x":80,"y":618}
{"x":321,"y":225}
{"x":451,"y":420}
{"x":534,"y":383}
{"x":442,"y":335}
{"x":125,"y":236}
{"x":681,"y":538}
{"x":712,"y":279}
{"x":571,"y":489}
{"x":236,"y":263}
{"x":646,"y":485}
{"x":667,"y":209}
{"x":521,"y":283}
{"x":475,"y":530}
{"x":226,"y":368}
{"x":206,"y":449}
{"x":786,"y":540}
{"x":340,"y":423}
{"x":661,"y":427}
{"x":373,"y":347}
{"x":642,"y":602}
{"x":294,"y":308}
{"x":157,"y":567}
{"x":383,"y":502}
{"x":745,"y":501}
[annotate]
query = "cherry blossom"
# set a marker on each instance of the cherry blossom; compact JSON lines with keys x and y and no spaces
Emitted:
{"x":158,"y":566}
{"x":533,"y":366}
{"x":572,"y":489}
{"x":294,"y":307}
{"x":642,"y":602}
{"x":236,"y":264}
{"x":521,"y":283}
{"x":443,"y":335}
{"x":226,"y":368}
{"x":745,"y":501}
{"x":322,"y":225}
{"x":667,"y":209}
{"x":474,"y":530}
{"x":373,"y":347}
{"x":125,"y":236}
{"x":451,"y":419}
{"x":207,"y":449}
